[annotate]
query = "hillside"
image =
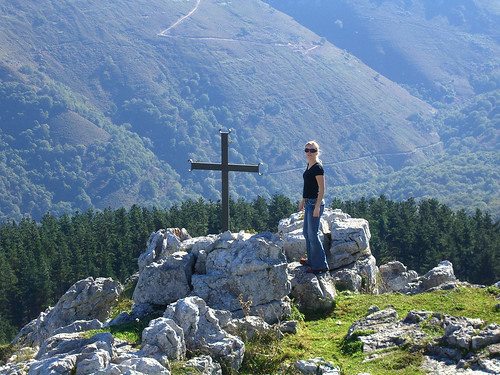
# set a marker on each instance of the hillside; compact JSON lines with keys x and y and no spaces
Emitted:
{"x":445,"y":48}
{"x":127,"y":92}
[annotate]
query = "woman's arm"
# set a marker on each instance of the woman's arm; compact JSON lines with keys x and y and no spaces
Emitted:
{"x":321,"y":193}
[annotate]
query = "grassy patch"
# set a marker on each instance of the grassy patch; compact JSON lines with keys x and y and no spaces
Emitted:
{"x":324,"y":335}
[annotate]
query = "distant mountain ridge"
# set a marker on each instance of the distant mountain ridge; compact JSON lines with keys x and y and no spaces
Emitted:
{"x":147,"y":86}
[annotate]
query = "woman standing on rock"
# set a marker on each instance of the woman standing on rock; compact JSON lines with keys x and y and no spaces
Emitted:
{"x":313,"y":204}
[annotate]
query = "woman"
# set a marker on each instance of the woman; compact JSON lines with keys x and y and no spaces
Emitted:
{"x":312,"y":203}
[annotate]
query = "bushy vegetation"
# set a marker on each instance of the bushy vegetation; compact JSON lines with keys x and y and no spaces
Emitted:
{"x":56,"y":155}
{"x":39,"y":261}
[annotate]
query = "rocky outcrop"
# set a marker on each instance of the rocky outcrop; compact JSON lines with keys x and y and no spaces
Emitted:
{"x":252,"y":271}
{"x":166,"y":280}
{"x":466,"y":343}
{"x":394,"y":277}
{"x":87,"y":299}
{"x":223,"y":270}
{"x":203,"y":332}
{"x":350,"y":240}
{"x":163,"y":339}
{"x":213,"y":291}
{"x":161,"y":244}
{"x":347,"y":246}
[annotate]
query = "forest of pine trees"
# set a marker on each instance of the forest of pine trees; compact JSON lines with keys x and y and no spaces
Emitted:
{"x":39,"y":261}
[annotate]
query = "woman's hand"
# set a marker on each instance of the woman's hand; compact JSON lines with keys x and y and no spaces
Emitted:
{"x":316,"y":211}
{"x":301,"y":205}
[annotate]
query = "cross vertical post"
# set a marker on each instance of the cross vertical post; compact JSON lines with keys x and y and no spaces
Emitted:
{"x":225,"y":167}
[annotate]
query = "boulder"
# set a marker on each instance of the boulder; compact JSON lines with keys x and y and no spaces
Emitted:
{"x":346,"y":242}
{"x":311,"y":292}
{"x":394,"y":277}
{"x":360,"y":277}
{"x":442,"y":274}
{"x":440,"y":277}
{"x":203,"y":333}
{"x":166,"y":280}
{"x":204,"y":365}
{"x":347,"y":279}
{"x":87,"y":299}
{"x":161,"y":244}
{"x":252,"y":271}
{"x":317,"y":366}
{"x":350,"y":240}
{"x":61,"y":353}
{"x":163,"y":337}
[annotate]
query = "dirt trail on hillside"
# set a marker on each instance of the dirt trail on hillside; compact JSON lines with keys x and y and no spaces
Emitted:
{"x":164,"y":32}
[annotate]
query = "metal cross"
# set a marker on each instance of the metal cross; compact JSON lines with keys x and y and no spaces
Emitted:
{"x":225,"y":167}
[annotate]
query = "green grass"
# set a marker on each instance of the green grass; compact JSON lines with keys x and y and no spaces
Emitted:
{"x":324,"y":335}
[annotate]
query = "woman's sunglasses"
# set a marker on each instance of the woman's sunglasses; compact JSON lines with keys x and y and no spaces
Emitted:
{"x":311,"y":150}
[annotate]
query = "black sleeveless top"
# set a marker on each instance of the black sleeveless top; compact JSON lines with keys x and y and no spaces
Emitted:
{"x":311,"y":187}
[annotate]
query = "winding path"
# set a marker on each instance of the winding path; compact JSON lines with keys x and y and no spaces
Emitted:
{"x":164,"y":32}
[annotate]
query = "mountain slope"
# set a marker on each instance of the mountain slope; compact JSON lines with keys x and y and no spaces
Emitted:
{"x":165,"y":76}
{"x":444,"y":47}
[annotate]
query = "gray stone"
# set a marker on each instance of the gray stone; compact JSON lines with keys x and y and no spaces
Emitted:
{"x":202,"y":331}
{"x":317,"y":366}
{"x":310,"y":291}
{"x":394,"y":277}
{"x":252,"y":270}
{"x":164,"y":336}
{"x":161,"y":244}
{"x":487,"y":336}
{"x":347,"y":279}
{"x":248,"y":328}
{"x":87,"y":299}
{"x":439,"y":275}
{"x":166,"y":280}
{"x":135,"y":366}
{"x":204,"y":365}
{"x":61,"y":353}
{"x":350,"y":239}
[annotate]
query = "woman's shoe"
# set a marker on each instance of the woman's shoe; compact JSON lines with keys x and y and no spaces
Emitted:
{"x":304,"y":262}
{"x":312,"y":270}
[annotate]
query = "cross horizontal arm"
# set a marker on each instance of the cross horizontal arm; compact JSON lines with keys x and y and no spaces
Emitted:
{"x":206,"y":166}
{"x":229,"y":167}
{"x":243,"y":168}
